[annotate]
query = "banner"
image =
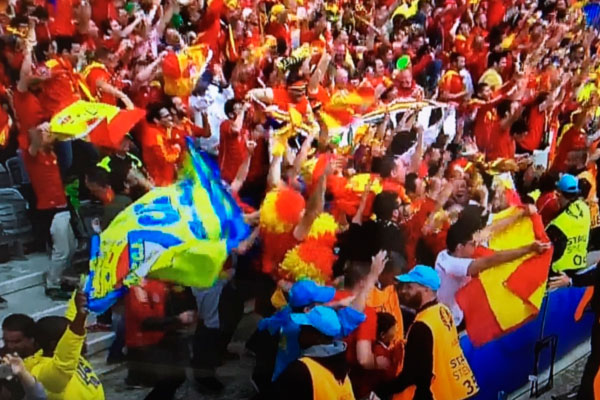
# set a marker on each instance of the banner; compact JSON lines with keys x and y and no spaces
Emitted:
{"x":103,"y":124}
{"x":181,"y":233}
{"x":506,"y":296}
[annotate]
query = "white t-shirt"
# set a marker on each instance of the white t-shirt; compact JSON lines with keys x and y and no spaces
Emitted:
{"x":453,"y":276}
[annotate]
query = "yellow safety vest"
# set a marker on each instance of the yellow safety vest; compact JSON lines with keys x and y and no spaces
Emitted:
{"x":105,"y":162}
{"x":575,"y":223}
{"x":591,"y":199}
{"x":452,"y":375}
{"x":325,"y":386}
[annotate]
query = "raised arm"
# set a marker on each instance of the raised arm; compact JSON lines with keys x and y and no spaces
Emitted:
{"x":110,"y":89}
{"x":481,"y":264}
{"x":315,"y":206}
{"x":302,"y":154}
{"x":242,"y":172}
{"x":319,"y":73}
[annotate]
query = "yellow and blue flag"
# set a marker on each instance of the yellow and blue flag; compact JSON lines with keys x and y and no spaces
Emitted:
{"x":182,"y":233}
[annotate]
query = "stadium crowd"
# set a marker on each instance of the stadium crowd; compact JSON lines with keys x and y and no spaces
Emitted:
{"x":370,"y":145}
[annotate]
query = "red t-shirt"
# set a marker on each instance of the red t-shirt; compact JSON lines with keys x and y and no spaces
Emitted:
{"x":100,"y":74}
{"x":259,"y":165}
{"x":502,"y":144}
{"x":61,"y":89}
{"x":232,"y":150}
{"x":28,"y":113}
{"x":573,"y":139}
{"x":103,"y":10}
{"x":280,"y":32}
{"x":535,"y":133}
{"x":61,"y":18}
{"x":413,"y":227}
{"x":485,"y":121}
{"x":45,"y":180}
{"x":548,"y":206}
{"x":365,"y":331}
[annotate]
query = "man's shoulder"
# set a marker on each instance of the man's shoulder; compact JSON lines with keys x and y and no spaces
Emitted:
{"x":448,"y":263}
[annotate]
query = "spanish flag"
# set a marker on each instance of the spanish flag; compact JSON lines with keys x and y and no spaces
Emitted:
{"x":102,"y":124}
{"x":505,"y":297}
{"x":182,"y":233}
{"x":182,"y":70}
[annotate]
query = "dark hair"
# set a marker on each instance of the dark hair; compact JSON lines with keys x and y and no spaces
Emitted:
{"x":119,"y":169}
{"x":385,"y":204}
{"x":547,"y":181}
{"x":281,"y":46}
{"x":64,"y":43}
{"x":503,"y":108}
{"x":385,"y":322}
{"x":40,"y":13}
{"x":494,"y":58}
{"x":153,"y":110}
{"x":98,"y":176}
{"x":480,"y":86}
{"x":473,"y":216}
{"x":19,"y":323}
{"x":519,"y":127}
{"x":584,"y":187}
{"x":41,"y":49}
{"x":410,"y":183}
{"x":396,"y":263}
{"x":454,"y":56}
{"x":354,"y":272}
{"x":102,"y":53}
{"x":386,"y":166}
{"x":229,"y":106}
{"x":461,"y":232}
{"x":48,"y":331}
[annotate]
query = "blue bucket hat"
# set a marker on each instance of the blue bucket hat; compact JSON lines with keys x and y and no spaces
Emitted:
{"x":322,"y":318}
{"x":423,"y":275}
{"x":306,"y":292}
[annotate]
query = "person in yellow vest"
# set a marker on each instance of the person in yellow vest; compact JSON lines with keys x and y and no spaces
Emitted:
{"x":59,"y":365}
{"x":322,"y":371}
{"x":435,"y":367}
{"x":569,"y":232}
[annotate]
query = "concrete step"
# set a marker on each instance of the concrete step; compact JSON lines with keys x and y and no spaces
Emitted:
{"x":98,"y":342}
{"x":33,"y":302}
{"x":16,"y":275}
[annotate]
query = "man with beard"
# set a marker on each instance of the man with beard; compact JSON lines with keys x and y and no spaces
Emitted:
{"x":432,"y":347}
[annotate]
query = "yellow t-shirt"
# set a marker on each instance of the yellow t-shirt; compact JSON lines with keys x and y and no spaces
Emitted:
{"x":492,"y":78}
{"x":67,"y":375}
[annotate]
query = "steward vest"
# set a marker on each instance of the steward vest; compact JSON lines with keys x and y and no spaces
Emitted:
{"x":452,"y":375}
{"x":592,"y":200}
{"x":574,"y":223}
{"x":325,"y":386}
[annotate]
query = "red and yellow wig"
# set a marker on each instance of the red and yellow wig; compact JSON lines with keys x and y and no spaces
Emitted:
{"x":313,"y":258}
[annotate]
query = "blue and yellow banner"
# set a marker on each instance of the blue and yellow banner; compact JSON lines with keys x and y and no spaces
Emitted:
{"x":182,"y":233}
